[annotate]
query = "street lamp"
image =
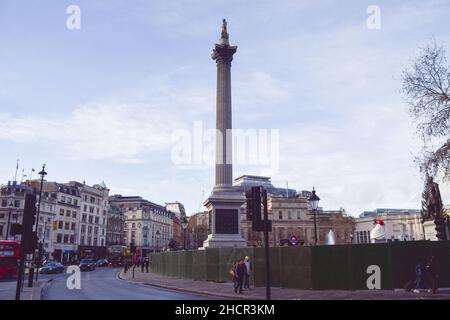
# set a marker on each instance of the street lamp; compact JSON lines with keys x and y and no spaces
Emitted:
{"x":11,"y":204}
{"x":314,"y":203}
{"x":37,"y":263}
{"x":184,"y":225}
{"x":157,"y":240}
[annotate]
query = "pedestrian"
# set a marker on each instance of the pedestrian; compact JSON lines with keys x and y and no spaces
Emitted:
{"x":142,"y":266}
{"x":125,"y":267}
{"x":248,"y":270}
{"x":147,"y":264}
{"x":431,"y":275}
{"x":239,"y":273}
{"x":420,"y":274}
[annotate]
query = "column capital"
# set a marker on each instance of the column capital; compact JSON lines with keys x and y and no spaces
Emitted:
{"x":223,"y":53}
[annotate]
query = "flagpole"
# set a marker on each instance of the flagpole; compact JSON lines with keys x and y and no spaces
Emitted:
{"x":17,"y":168}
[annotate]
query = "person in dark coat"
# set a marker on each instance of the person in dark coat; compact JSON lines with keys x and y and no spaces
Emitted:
{"x":239,"y":274}
{"x":147,"y":264}
{"x":431,"y":274}
{"x":420,"y":275}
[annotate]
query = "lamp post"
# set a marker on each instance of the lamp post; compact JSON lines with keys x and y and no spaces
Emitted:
{"x":157,"y":240}
{"x":11,"y":204}
{"x":314,"y":203}
{"x":184,"y":225}
{"x":42,"y":174}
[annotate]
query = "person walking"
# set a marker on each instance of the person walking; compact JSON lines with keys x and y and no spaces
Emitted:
{"x":147,"y":264}
{"x":420,"y":274}
{"x":432,"y":275}
{"x":142,"y":265}
{"x":239,"y":273}
{"x":248,"y":270}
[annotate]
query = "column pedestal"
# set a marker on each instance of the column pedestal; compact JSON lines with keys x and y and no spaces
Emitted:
{"x":225,"y":224}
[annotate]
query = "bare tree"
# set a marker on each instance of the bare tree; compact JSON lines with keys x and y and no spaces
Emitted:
{"x":426,"y":87}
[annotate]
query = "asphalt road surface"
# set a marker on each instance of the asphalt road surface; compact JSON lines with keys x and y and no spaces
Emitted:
{"x":103,"y":284}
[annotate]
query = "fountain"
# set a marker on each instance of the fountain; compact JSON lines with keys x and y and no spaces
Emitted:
{"x":331,"y":238}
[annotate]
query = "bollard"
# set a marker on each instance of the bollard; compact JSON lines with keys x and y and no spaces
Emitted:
{"x":133,"y":272}
{"x":30,"y":277}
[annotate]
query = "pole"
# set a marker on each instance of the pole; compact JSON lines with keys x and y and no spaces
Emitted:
{"x":21,"y":269}
{"x":315,"y":228}
{"x":266,"y":244}
{"x":184,"y":239}
{"x":42,"y":173}
{"x":9,"y":221}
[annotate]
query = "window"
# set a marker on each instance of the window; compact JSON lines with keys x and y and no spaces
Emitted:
{"x":96,"y":220}
{"x":103,"y":232}
{"x":91,"y":209}
{"x":83,"y":218}
{"x":66,"y":238}
{"x":61,"y":212}
{"x":104,"y":212}
{"x":74,"y":214}
{"x":63,"y":199}
{"x":72,"y":239}
{"x":92,"y":200}
{"x":68,"y":213}
{"x":59,"y":238}
{"x":1,"y":230}
{"x":72,"y":226}
{"x":69,"y":200}
{"x":103,"y":242}
{"x":95,"y":241}
{"x":85,"y":198}
{"x":60,"y":224}
{"x":280,"y":215}
{"x":4,"y":203}
{"x":17,"y":203}
{"x":85,"y":208}
{"x":75,"y":202}
{"x":2,"y":216}
{"x":89,"y":240}
{"x":90,"y":219}
{"x":133,"y":225}
{"x":66,"y":226}
{"x":96,"y":230}
{"x":89,"y":230}
{"x":289,"y":215}
{"x":83,"y":228}
{"x":82,"y":240}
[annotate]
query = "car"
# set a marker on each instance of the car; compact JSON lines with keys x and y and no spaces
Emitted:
{"x":102,"y":263}
{"x":87,"y":265}
{"x":52,"y":267}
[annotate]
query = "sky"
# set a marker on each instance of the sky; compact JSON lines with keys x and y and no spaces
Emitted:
{"x":107,"y":101}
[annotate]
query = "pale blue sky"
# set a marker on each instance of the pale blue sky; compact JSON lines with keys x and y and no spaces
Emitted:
{"x":101,"y":103}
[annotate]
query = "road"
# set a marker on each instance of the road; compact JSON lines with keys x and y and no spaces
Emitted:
{"x":103,"y":284}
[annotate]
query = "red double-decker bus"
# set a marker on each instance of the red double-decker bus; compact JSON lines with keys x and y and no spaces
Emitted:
{"x":9,"y":256}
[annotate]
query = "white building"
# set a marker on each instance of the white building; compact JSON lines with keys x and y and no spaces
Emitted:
{"x":400,"y":225}
{"x":147,"y":224}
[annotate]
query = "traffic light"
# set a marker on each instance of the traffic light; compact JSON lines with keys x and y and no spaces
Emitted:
{"x":16,"y":228}
{"x":253,"y":210}
{"x":29,"y":238}
{"x":440,"y":228}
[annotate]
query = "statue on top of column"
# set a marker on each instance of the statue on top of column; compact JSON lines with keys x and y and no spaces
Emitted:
{"x":224,"y":29}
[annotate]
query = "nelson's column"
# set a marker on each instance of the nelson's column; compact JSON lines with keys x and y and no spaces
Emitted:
{"x":225,"y":202}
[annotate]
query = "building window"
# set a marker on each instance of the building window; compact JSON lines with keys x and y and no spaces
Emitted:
{"x":289,"y":215}
{"x":82,"y":240}
{"x":96,"y":230}
{"x":91,"y":209}
{"x":59,"y":238}
{"x":89,"y":230}
{"x":92,"y":200}
{"x":69,"y":200}
{"x":85,"y":198}
{"x":133,"y":225}
{"x":66,"y":226}
{"x":75,"y":202}
{"x":89,"y":241}
{"x":91,"y":219}
{"x":1,"y":230}
{"x":85,"y":208}
{"x":98,"y":210}
{"x":17,"y":203}
{"x":74,"y":214}
{"x":4,"y":203}
{"x":83,"y":218}
{"x":298,"y":215}
{"x":73,"y":226}
{"x":280,"y":215}
{"x":61,"y":212}
{"x":68,"y":213}
{"x":60,"y":224}
{"x":83,"y":228}
{"x":103,"y":242}
{"x":72,"y":239}
{"x":66,"y":238}
{"x":96,"y":220}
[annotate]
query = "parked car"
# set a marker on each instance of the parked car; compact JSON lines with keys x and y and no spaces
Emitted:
{"x":87,"y":265}
{"x":102,"y":263}
{"x":52,"y":267}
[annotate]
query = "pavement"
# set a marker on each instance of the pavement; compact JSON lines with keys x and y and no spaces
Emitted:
{"x":225,"y":290}
{"x":8,"y":290}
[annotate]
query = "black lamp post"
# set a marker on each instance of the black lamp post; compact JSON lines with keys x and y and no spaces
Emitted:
{"x":184,"y":225}
{"x":42,"y":174}
{"x":314,"y":203}
{"x":11,"y":204}
{"x":157,"y":240}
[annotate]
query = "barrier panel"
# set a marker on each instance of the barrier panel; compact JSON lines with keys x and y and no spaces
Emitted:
{"x":343,"y":267}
